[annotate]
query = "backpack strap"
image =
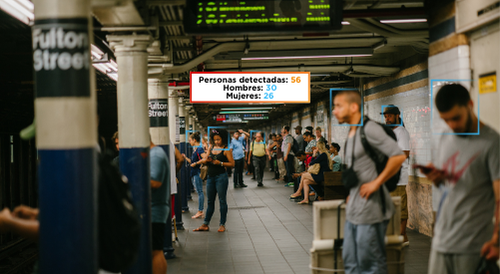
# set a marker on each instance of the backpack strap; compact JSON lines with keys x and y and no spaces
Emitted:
{"x":371,"y":153}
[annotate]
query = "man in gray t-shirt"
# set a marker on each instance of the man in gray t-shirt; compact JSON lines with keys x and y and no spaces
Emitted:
{"x":467,"y":169}
{"x":366,"y":221}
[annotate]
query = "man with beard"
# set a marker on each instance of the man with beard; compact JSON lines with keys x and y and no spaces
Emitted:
{"x":467,"y":169}
{"x":393,"y":119}
{"x":366,"y":219}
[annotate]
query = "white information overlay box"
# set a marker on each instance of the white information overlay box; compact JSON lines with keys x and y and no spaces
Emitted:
{"x":250,"y":87}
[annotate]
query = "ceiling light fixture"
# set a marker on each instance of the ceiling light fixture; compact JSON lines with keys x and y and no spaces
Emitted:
{"x":403,"y":21}
{"x":345,"y":23}
{"x":22,"y":10}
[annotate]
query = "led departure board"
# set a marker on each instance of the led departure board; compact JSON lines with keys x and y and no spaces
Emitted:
{"x":262,"y":16}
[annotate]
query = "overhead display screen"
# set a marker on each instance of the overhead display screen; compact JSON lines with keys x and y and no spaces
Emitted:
{"x":257,"y":16}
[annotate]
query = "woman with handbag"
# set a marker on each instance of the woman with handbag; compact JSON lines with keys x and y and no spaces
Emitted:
{"x":194,"y":141}
{"x":320,"y":163}
{"x":218,"y":158}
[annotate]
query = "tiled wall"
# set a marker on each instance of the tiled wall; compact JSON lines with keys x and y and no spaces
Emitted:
{"x":415,"y":109}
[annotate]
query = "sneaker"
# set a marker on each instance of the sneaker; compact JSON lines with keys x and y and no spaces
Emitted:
{"x":260,"y":184}
{"x":243,"y":185}
{"x":236,"y":186}
{"x":290,"y":185}
{"x":407,"y":243}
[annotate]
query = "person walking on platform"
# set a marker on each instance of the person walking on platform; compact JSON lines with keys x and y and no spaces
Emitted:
{"x":239,"y":156}
{"x":393,"y":119}
{"x":366,"y":219}
{"x":160,"y":188}
{"x":194,"y":141}
{"x":218,"y":158}
{"x":258,"y":152}
{"x":288,"y":155}
{"x":466,"y":168}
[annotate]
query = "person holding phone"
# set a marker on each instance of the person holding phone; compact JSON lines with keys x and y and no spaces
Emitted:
{"x":467,"y":168}
{"x":217,"y":159}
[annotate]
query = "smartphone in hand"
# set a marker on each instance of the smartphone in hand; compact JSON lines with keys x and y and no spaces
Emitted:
{"x":424,"y":169}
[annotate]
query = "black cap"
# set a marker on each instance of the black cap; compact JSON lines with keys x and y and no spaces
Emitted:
{"x":309,"y":128}
{"x":391,"y":109}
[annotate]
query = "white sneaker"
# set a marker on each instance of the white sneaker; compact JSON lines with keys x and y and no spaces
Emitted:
{"x":407,"y":243}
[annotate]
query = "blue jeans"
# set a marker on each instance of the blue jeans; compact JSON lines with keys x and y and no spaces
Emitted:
{"x":198,"y":184}
{"x":216,"y":185}
{"x":364,"y":248}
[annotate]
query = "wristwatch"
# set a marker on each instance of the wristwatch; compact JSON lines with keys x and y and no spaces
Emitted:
{"x":221,"y":163}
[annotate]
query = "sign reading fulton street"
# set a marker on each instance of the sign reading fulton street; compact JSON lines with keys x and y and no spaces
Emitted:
{"x":158,"y":112}
{"x":249,"y":87}
{"x":61,"y":57}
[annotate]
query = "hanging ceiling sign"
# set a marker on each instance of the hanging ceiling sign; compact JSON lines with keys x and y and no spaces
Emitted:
{"x":202,"y":17}
{"x":240,"y":117}
{"x":250,"y":87}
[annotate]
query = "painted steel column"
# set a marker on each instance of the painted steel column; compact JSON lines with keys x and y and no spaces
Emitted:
{"x":174,"y":138}
{"x":133,"y":127}
{"x":184,"y":177}
{"x":65,"y":109}
{"x":160,"y":136}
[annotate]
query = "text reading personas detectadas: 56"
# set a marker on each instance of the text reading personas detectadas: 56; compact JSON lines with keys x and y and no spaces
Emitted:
{"x":250,"y":87}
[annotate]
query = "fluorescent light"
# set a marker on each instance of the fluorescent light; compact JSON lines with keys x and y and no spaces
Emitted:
{"x":345,"y":23}
{"x":403,"y":21}
{"x":243,"y":112}
{"x":19,"y":9}
{"x":317,"y":75}
{"x":247,"y":108}
{"x":307,"y":57}
{"x":96,"y":52}
{"x":102,"y":68}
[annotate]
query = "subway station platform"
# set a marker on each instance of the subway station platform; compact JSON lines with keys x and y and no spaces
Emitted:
{"x":266,"y":233}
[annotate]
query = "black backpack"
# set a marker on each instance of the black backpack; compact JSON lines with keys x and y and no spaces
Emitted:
{"x":380,"y":159}
{"x":119,"y":228}
{"x":295,"y":146}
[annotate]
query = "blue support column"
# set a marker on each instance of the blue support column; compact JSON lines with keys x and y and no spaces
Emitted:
{"x":160,"y":136}
{"x":133,"y":127}
{"x":65,"y":109}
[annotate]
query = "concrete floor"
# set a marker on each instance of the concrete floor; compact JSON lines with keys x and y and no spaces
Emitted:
{"x":266,"y":233}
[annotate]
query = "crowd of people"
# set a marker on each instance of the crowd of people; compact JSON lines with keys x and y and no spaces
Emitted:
{"x":466,"y":169}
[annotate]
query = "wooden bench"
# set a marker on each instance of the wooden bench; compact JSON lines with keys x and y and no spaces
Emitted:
{"x":333,"y":186}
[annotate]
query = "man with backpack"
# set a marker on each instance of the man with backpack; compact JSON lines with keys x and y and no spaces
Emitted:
{"x":369,"y":205}
{"x":289,"y":147}
{"x":393,"y":120}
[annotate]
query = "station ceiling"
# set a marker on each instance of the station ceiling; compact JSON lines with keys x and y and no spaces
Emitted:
{"x":177,"y":53}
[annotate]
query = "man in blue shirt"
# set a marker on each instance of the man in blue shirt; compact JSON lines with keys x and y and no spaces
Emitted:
{"x":239,"y":156}
{"x":160,"y":195}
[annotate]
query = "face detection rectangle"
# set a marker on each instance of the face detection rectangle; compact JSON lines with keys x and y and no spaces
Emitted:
{"x":455,"y":114}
